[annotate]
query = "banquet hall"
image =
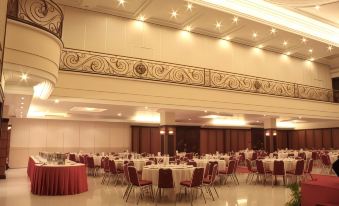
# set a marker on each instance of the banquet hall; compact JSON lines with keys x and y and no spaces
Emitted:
{"x":169,"y":102}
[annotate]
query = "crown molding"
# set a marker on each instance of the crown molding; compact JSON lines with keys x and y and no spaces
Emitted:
{"x":277,"y":16}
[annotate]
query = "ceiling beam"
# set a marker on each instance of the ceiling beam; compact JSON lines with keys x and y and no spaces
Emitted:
{"x":142,"y":8}
{"x":231,"y":30}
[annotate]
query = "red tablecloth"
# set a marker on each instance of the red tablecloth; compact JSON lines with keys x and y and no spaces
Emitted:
{"x":324,"y":191}
{"x":58,"y":180}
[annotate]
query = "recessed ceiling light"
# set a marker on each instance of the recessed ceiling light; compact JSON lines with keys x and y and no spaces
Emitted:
{"x":121,"y":2}
{"x":189,"y":119}
{"x":119,"y":114}
{"x":21,"y":107}
{"x":288,"y":53}
{"x":304,"y":40}
{"x":87,"y":109}
{"x":228,"y":38}
{"x":300,"y":117}
{"x":310,"y":50}
{"x":317,"y":7}
{"x":329,"y":48}
{"x":56,"y":101}
{"x":22,"y":103}
{"x":189,"y":6}
{"x":22,"y":98}
{"x":218,"y":25}
{"x":24,"y":76}
{"x":174,"y":14}
{"x":254,"y":35}
{"x":146,"y":107}
{"x":273,"y":31}
{"x":260,"y":46}
{"x":141,"y":18}
{"x":285,"y":43}
{"x":311,"y":59}
{"x":205,"y":111}
{"x":188,"y":28}
{"x":235,"y":19}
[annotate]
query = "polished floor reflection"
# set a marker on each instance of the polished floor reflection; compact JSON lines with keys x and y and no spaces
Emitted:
{"x":16,"y":191}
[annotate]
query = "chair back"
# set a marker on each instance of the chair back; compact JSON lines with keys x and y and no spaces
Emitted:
{"x":214,"y":173}
{"x":126,"y":174}
{"x":309,"y":166}
{"x":198,"y":177}
{"x":302,"y":155}
{"x":231,"y":167}
{"x":212,"y":163}
{"x":133,"y":176}
{"x":165,"y":178}
{"x":325,"y":159}
{"x":129,"y":156}
{"x":254,"y":156}
{"x":81,"y":159}
{"x":189,"y":156}
{"x":106,"y":165}
{"x":278,"y":168}
{"x":299,"y":168}
{"x":72,"y":157}
{"x":249,"y":165}
{"x":130,"y":163}
{"x":260,"y":166}
{"x":314,"y":155}
{"x":207,"y":170}
{"x":112,"y":167}
{"x":192,"y":162}
{"x":148,"y":162}
{"x":90,"y":162}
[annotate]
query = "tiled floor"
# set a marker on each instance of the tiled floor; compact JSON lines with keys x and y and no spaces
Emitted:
{"x":15,"y":191}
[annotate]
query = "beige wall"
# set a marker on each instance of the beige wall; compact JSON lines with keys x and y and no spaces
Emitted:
{"x":105,"y":33}
{"x":29,"y":136}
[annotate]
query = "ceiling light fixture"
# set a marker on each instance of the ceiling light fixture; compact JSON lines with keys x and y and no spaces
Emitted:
{"x":145,"y":116}
{"x":230,"y":122}
{"x":174,"y":14}
{"x":119,"y":114}
{"x":87,"y":109}
{"x":227,"y":38}
{"x":56,"y":101}
{"x":310,"y":50}
{"x":285,"y":43}
{"x":188,"y":28}
{"x":218,"y":25}
{"x":304,"y":40}
{"x":22,"y":98}
{"x":329,"y":48}
{"x":317,"y":7}
{"x":141,"y":18}
{"x":288,"y":53}
{"x":24,"y":76}
{"x":235,"y":19}
{"x":22,"y":103}
{"x":189,"y":6}
{"x":43,"y":90}
{"x":311,"y":59}
{"x":254,"y":35}
{"x":205,"y":111}
{"x":273,"y":31}
{"x":121,"y":2}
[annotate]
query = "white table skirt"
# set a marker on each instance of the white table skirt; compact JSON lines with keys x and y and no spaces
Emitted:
{"x":203,"y":162}
{"x":184,"y":173}
{"x":289,"y":164}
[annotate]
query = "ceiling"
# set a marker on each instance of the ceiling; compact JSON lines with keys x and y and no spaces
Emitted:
{"x":203,"y":20}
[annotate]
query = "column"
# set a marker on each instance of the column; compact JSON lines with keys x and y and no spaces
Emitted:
{"x":270,"y":134}
{"x":167,"y":132}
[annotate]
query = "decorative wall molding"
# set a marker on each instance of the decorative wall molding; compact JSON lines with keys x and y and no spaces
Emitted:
{"x":44,"y":14}
{"x":142,"y":69}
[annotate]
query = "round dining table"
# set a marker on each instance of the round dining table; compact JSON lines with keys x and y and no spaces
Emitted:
{"x":203,"y":162}
{"x":289,"y":164}
{"x":179,"y":173}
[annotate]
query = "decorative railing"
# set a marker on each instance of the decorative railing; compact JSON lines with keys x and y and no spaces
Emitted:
{"x":130,"y":67}
{"x":44,"y":14}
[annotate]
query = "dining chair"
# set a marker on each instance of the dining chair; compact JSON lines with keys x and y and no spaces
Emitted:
{"x":251,"y":171}
{"x":210,"y":181}
{"x":299,"y":170}
{"x":143,"y":185}
{"x":114,"y":172}
{"x":207,"y":170}
{"x":165,"y":181}
{"x":212,"y":163}
{"x":279,"y":170}
{"x":82,"y":159}
{"x":127,"y":180}
{"x":309,"y":169}
{"x":326,"y":163}
{"x":262,"y":173}
{"x":72,"y":157}
{"x":92,"y":169}
{"x":106,"y":170}
{"x":192,"y":162}
{"x":195,"y":183}
{"x":228,"y":172}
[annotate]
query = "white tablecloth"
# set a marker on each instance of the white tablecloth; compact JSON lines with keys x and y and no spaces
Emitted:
{"x":138,"y":163}
{"x":289,"y":164}
{"x":203,"y":162}
{"x":333,"y":157}
{"x":179,"y":172}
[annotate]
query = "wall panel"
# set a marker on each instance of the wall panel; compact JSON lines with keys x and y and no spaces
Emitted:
{"x":155,"y":140}
{"x":220,"y":141}
{"x":302,"y":139}
{"x":227,"y":138}
{"x":327,"y":138}
{"x":241,"y":139}
{"x":212,"y":141}
{"x":234,"y":140}
{"x":335,"y":138}
{"x":203,"y":141}
{"x":318,"y":139}
{"x":145,"y":140}
{"x":309,"y":138}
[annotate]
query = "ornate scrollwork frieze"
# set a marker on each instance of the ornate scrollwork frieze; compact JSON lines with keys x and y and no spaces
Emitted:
{"x":44,"y":14}
{"x":129,"y":67}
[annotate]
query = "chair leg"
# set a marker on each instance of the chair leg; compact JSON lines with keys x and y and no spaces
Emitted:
{"x":203,"y":194}
{"x":215,"y":190}
{"x":129,"y":192}
{"x":140,"y":195}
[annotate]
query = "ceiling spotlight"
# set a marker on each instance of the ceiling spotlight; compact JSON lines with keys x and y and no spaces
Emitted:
{"x":188,"y":28}
{"x":273,"y":31}
{"x":146,"y":108}
{"x":22,"y":103}
{"x":329,"y":48}
{"x":21,"y":107}
{"x":218,"y":25}
{"x":189,"y":6}
{"x":317,"y":7}
{"x":141,"y":18}
{"x":205,"y":111}
{"x":24,"y":76}
{"x":254,"y":35}
{"x":311,"y":59}
{"x":235,"y":19}
{"x":56,"y":101}
{"x":121,"y":2}
{"x":119,"y":114}
{"x":227,"y":38}
{"x":288,"y":53}
{"x":285,"y":43}
{"x":260,"y":46}
{"x":22,"y":98}
{"x":310,"y":50}
{"x":174,"y":14}
{"x":189,"y":119}
{"x":304,"y":40}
